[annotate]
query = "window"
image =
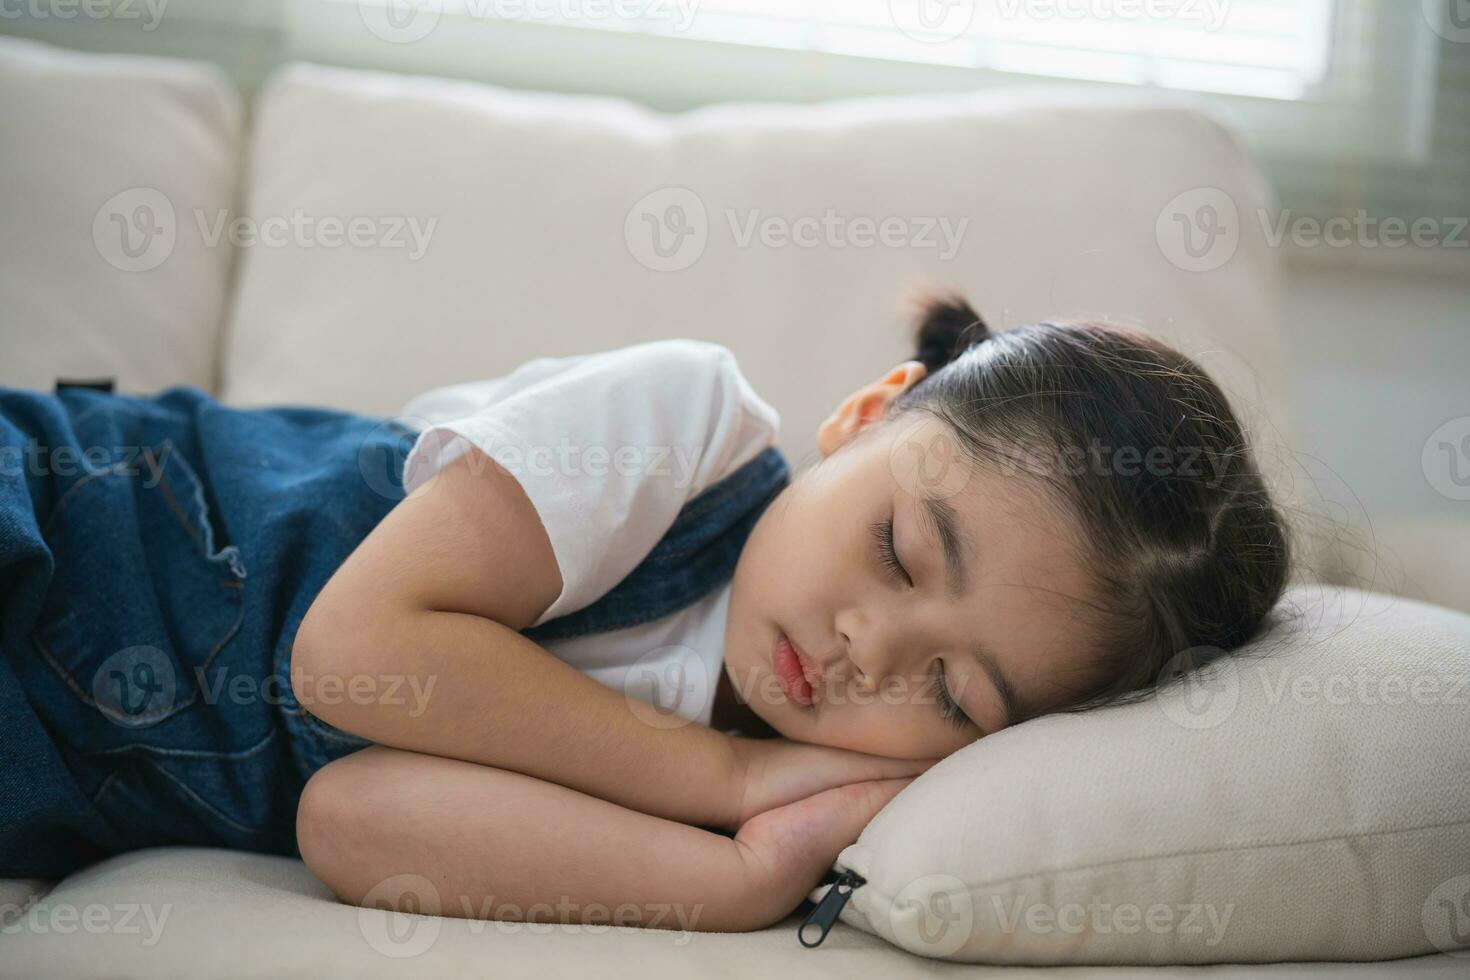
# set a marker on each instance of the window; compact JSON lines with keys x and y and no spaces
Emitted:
{"x":1347,"y":103}
{"x":1270,"y":48}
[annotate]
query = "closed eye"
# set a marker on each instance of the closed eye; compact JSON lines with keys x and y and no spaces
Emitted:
{"x":949,"y":708}
{"x":883,"y":536}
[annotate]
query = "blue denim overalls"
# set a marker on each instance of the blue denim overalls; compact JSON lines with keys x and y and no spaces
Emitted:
{"x":157,"y":554}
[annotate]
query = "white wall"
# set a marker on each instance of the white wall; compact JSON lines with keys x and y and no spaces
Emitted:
{"x":1381,"y":350}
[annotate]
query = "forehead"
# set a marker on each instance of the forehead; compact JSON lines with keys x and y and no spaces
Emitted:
{"x":1015,"y":527}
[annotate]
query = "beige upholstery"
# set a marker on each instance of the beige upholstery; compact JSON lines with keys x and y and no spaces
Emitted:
{"x":244,"y":916}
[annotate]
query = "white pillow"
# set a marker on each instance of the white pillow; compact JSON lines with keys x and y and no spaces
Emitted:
{"x":1307,"y":799}
{"x":95,"y":148}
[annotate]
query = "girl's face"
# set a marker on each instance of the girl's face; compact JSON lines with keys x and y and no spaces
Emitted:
{"x":876,"y":637}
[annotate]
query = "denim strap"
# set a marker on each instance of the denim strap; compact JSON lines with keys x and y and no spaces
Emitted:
{"x":694,"y":557}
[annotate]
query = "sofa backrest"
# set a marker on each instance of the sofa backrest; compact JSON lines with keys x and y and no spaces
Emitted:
{"x":554,"y":224}
{"x":394,"y":233}
{"x":106,"y":159}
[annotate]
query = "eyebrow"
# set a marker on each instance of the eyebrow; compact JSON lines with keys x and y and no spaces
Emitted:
{"x":942,"y":518}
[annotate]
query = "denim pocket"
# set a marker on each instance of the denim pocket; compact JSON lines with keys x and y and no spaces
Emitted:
{"x":145,"y":595}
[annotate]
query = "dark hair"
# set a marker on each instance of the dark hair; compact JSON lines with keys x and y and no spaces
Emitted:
{"x":1188,"y":556}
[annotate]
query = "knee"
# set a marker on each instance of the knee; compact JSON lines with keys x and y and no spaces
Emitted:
{"x":329,"y":825}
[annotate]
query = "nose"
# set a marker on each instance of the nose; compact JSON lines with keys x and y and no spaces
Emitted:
{"x":873,"y":649}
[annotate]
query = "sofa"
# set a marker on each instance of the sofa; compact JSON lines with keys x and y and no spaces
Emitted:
{"x":351,"y":238}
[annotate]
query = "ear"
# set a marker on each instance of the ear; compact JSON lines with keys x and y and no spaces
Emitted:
{"x":867,"y":405}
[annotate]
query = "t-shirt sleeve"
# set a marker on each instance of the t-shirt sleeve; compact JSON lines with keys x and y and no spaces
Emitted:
{"x":608,"y":447}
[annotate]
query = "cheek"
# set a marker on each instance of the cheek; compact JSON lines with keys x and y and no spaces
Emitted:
{"x":899,"y":722}
{"x":791,"y":544}
{"x":889,"y":733}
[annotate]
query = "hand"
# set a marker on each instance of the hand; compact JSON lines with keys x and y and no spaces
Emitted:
{"x":789,"y":848}
{"x":775,"y":771}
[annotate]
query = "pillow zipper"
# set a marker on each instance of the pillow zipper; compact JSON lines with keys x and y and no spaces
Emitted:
{"x":830,"y":906}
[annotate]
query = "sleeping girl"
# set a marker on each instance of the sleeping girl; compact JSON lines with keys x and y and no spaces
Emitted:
{"x":577,"y":637}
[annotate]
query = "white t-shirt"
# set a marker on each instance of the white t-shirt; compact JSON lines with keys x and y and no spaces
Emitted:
{"x":608,"y":447}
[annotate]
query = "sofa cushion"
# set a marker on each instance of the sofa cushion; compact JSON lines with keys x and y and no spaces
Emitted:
{"x":110,"y":162}
{"x":187,"y":914}
{"x":1307,"y":798}
{"x":496,"y":226}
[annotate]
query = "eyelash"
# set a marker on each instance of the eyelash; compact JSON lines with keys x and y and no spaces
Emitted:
{"x":883,"y":534}
{"x":948,"y":707}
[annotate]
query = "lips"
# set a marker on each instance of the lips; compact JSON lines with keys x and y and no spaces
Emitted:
{"x":792,"y":673}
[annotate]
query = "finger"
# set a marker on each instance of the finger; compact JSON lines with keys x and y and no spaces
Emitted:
{"x":880,"y":792}
{"x":895,"y":768}
{"x":843,"y":812}
{"x":795,"y":844}
{"x":804,"y":837}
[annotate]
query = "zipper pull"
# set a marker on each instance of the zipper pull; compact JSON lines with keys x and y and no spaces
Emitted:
{"x":829,"y":907}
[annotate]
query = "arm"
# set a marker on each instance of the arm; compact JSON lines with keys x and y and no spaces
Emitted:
{"x":485,"y":843}
{"x":437,"y":594}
